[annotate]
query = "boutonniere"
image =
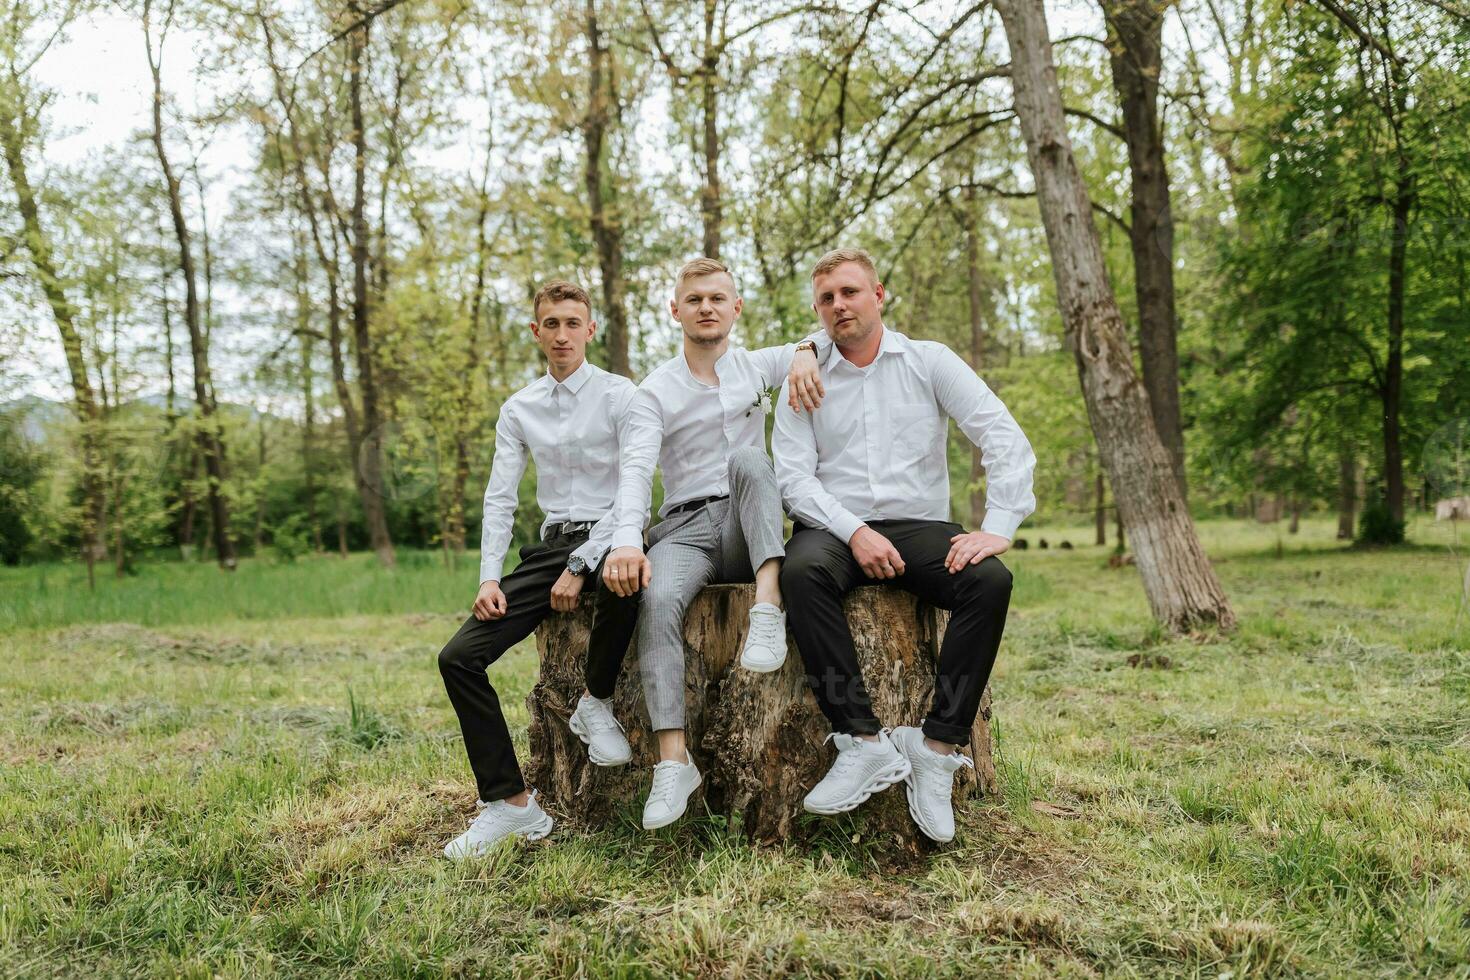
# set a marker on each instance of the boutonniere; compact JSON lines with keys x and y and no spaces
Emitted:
{"x":762,"y":402}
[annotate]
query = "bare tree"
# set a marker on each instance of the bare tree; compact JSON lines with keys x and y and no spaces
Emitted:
{"x":1182,"y":587}
{"x":716,"y":40}
{"x":211,"y":440}
{"x":606,"y":218}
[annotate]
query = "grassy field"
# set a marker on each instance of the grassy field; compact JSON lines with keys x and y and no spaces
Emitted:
{"x":204,"y":775}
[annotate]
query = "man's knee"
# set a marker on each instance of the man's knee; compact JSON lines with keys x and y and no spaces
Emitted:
{"x":661,"y":597}
{"x":456,"y":655}
{"x":988,"y":582}
{"x":747,"y":462}
{"x":805,"y":572}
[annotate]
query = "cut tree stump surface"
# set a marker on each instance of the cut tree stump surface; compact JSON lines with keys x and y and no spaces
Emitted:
{"x":757,"y":738}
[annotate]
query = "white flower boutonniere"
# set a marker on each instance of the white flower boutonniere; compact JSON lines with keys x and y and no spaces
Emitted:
{"x":762,"y":402}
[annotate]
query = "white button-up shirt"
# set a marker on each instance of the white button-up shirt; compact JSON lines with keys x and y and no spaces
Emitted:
{"x":570,"y":428}
{"x":875,"y":450}
{"x":689,"y":429}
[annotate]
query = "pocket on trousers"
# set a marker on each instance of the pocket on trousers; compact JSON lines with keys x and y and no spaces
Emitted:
{"x":534,"y":548}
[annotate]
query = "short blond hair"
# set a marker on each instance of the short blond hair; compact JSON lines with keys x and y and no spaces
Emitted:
{"x":556,"y":290}
{"x":842,"y":256}
{"x":703,"y":266}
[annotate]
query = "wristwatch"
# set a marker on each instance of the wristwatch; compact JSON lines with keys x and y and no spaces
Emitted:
{"x":577,"y":565}
{"x":810,"y":345}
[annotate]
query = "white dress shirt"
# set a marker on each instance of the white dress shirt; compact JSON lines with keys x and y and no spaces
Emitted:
{"x":570,"y":428}
{"x":875,"y":450}
{"x":689,"y":429}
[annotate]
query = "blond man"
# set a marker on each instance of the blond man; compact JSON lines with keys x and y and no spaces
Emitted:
{"x":867,"y":484}
{"x":700,"y":418}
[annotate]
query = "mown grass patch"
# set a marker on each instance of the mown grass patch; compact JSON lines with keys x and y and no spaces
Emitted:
{"x":200,"y":794}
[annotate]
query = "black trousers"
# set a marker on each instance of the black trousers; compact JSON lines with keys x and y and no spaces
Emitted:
{"x":820,"y":570}
{"x":478,"y":644}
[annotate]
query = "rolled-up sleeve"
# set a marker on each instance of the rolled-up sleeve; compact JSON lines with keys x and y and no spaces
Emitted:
{"x":794,"y":446}
{"x":1005,"y":452}
{"x":501,"y":494}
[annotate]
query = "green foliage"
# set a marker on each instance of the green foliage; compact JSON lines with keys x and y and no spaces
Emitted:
{"x":291,"y":538}
{"x":1377,"y":525}
{"x":21,"y":467}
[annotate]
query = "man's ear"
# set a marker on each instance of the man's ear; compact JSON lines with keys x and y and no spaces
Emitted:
{"x":536,"y":329}
{"x":591,"y":329}
{"x":878,"y":291}
{"x":739,"y":305}
{"x":674,"y":308}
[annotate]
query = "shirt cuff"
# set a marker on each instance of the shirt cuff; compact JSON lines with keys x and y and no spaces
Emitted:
{"x":491,"y":571}
{"x":1002,"y":522}
{"x":592,"y":553}
{"x":844,"y":527}
{"x":627,"y":537}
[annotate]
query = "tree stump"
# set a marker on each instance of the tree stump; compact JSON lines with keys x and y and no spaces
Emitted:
{"x":757,"y":738}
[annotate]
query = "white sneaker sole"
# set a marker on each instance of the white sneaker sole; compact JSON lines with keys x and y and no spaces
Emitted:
{"x":683,"y":807}
{"x":876,"y":783}
{"x":760,"y":666}
{"x":575,"y":724}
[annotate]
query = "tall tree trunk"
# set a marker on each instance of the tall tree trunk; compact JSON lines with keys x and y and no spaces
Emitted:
{"x":211,"y":441}
{"x":454,"y":527}
{"x":709,"y":81}
{"x":189,"y":506}
{"x":64,"y":314}
{"x":1182,"y":588}
{"x":1347,"y":492}
{"x":258,"y":539}
{"x":370,"y":454}
{"x":1136,"y":44}
{"x":308,"y":392}
{"x":330,"y":262}
{"x":607,"y":223}
{"x":1100,"y":512}
{"x":1393,"y":371}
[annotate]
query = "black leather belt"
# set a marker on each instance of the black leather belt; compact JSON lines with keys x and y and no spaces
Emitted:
{"x":565,"y":528}
{"x":697,"y":503}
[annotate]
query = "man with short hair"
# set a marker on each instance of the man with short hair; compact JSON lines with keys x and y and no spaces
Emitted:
{"x":867,"y":483}
{"x":701,"y":418}
{"x":567,"y":421}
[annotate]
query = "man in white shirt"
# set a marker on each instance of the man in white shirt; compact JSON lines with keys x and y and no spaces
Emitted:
{"x":567,"y":421}
{"x":701,"y":418}
{"x":867,"y":483}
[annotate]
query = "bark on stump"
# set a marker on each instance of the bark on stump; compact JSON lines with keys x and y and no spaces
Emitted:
{"x":757,"y":738}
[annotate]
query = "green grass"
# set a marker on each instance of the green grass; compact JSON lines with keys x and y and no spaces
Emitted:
{"x":204,"y":775}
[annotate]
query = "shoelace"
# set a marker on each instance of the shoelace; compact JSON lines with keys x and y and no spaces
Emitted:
{"x":846,"y":758}
{"x":943,"y":786}
{"x":602,"y":720}
{"x":489,"y":811}
{"x":766,"y":630}
{"x":665,"y":779}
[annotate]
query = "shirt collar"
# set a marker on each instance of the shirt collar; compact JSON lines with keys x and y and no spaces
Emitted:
{"x":893,"y":342}
{"x":575,"y":381}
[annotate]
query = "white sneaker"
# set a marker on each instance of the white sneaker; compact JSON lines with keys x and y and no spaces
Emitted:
{"x":496,"y":821}
{"x":669,"y":798}
{"x":930,"y":783}
{"x":594,"y":723}
{"x":862,"y":769}
{"x":765,"y":639}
